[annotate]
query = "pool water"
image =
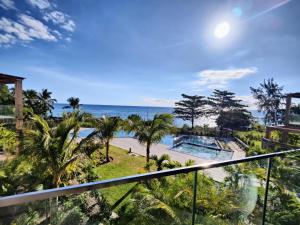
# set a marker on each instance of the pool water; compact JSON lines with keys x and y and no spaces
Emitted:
{"x":201,"y":140}
{"x":203,"y":152}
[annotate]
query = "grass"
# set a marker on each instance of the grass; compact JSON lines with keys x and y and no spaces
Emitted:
{"x":122,"y":164}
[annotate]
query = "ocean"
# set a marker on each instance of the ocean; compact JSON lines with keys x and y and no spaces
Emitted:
{"x":146,"y":112}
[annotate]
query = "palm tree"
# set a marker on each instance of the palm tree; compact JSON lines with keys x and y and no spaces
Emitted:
{"x":46,"y":102}
{"x":106,"y":128}
{"x":149,"y":132}
{"x":163,"y":161}
{"x":58,"y":147}
{"x":73,"y":103}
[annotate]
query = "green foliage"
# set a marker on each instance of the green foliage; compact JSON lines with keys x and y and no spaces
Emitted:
{"x":234,"y":119}
{"x":106,"y":128}
{"x":7,"y":139}
{"x":36,"y":103}
{"x":230,"y":111}
{"x":73,"y":103}
{"x":149,"y":132}
{"x":58,"y":149}
{"x":190,"y":108}
{"x":6,"y":96}
{"x":223,"y":101}
{"x":269,"y":100}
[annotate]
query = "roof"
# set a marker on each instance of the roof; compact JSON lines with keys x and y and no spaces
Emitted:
{"x":9,"y":79}
{"x":294,"y":95}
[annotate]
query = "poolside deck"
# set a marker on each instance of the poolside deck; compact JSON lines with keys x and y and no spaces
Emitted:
{"x":217,"y":174}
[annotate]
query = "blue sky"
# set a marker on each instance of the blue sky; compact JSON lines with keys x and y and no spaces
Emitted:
{"x":148,"y":52}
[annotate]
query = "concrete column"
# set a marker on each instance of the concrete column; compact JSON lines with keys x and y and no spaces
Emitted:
{"x":287,"y":110}
{"x":19,"y":104}
{"x":268,"y":133}
{"x":284,"y":137}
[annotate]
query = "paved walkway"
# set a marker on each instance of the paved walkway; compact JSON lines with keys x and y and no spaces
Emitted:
{"x":217,"y":174}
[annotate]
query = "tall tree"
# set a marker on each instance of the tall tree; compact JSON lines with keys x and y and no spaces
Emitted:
{"x":149,"y":132}
{"x":106,"y":128}
{"x":190,"y":108}
{"x":73,"y":103}
{"x":39,"y":103}
{"x":46,"y":102}
{"x":223,"y":101}
{"x":231,"y":113}
{"x":269,"y":100}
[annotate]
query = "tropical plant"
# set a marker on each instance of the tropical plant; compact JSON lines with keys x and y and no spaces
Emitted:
{"x":164,"y":161}
{"x":269,"y":100}
{"x":73,"y":103}
{"x":144,"y":208}
{"x":58,"y":148}
{"x":36,"y":103}
{"x":190,"y":108}
{"x":106,"y":128}
{"x":46,"y":102}
{"x":149,"y":132}
{"x":7,"y":139}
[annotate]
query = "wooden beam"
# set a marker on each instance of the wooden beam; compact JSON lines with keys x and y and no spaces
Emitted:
{"x":19,"y":104}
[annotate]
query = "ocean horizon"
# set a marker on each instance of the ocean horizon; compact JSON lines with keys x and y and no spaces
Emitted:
{"x":146,"y":112}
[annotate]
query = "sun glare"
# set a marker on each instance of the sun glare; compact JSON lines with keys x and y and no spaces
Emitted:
{"x":222,"y":30}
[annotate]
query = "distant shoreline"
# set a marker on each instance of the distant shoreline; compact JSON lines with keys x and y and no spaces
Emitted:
{"x":141,"y":106}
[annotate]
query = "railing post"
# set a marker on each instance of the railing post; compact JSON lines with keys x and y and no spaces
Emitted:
{"x":194,"y":196}
{"x":267,"y":190}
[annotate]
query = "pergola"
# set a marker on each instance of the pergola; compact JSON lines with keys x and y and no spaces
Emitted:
{"x":17,"y":81}
{"x":288,"y":127}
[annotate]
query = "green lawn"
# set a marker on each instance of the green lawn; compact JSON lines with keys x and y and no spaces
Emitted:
{"x":122,"y":165}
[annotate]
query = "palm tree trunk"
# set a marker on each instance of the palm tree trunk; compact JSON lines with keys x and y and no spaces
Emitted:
{"x":148,"y":153}
{"x":107,"y":150}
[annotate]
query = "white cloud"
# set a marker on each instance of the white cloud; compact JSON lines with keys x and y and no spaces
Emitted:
{"x":41,"y":4}
{"x":220,"y":78}
{"x":7,"y":39}
{"x":36,"y":29}
{"x":7,"y":4}
{"x":61,"y":19}
{"x":14,"y":28}
{"x":27,"y":28}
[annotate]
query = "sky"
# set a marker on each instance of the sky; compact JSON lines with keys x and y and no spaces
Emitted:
{"x":149,"y":52}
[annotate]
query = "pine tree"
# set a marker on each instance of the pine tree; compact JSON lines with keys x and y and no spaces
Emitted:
{"x":190,"y":108}
{"x":231,"y":113}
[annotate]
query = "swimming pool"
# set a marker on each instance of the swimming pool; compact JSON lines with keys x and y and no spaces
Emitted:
{"x":201,"y":146}
{"x":199,"y":140}
{"x":203,"y":152}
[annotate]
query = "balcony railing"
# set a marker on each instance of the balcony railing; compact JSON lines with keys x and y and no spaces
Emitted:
{"x":7,"y":111}
{"x":184,"y":195}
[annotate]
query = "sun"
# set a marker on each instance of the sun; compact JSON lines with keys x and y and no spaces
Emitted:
{"x":222,"y":30}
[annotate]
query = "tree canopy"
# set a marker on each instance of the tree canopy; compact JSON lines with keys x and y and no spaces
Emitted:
{"x":269,"y":100}
{"x":190,"y":108}
{"x":231,"y":113}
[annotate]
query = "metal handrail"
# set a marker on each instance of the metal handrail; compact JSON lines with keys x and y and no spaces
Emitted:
{"x":77,"y":189}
